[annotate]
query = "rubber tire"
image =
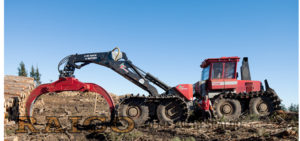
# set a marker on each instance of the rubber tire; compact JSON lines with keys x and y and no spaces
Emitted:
{"x":253,"y":103}
{"x":144,"y":113}
{"x":234,"y":103}
{"x":163,"y":119}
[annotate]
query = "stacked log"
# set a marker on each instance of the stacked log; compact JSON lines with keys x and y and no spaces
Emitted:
{"x":17,"y":87}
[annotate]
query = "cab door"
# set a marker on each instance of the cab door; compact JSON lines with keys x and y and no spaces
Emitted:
{"x":216,"y":77}
{"x":229,"y":76}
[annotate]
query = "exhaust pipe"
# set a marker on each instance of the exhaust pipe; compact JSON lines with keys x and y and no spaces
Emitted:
{"x":245,"y":71}
{"x":267,"y":84}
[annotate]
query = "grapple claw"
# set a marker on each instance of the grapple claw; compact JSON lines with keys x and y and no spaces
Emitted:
{"x":68,"y":84}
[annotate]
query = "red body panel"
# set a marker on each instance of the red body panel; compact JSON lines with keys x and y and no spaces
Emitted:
{"x":67,"y":84}
{"x":216,"y":84}
{"x":248,"y":86}
{"x":186,"y":90}
{"x":239,"y":86}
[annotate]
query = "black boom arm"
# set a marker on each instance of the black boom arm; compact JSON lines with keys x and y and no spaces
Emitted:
{"x":118,"y":62}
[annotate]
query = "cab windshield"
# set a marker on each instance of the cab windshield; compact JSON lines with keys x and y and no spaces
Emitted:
{"x":205,"y":73}
{"x":228,"y":73}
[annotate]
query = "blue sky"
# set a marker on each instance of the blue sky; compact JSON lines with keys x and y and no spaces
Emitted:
{"x":169,"y":39}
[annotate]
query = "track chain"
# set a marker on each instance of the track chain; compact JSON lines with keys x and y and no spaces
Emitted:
{"x":146,"y":100}
{"x":269,"y":93}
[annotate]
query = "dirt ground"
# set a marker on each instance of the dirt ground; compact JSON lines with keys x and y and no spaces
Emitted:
{"x":281,"y":126}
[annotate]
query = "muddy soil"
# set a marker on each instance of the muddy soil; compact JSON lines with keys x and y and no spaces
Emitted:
{"x":84,"y":105}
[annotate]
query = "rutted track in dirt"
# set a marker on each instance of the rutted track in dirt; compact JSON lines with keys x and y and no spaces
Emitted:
{"x":83,"y":104}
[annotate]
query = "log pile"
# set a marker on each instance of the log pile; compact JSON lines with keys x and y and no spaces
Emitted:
{"x":17,"y":87}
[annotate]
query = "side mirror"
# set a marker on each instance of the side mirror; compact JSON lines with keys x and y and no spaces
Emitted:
{"x":237,"y":75}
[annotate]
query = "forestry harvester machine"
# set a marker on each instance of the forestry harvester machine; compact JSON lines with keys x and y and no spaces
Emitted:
{"x":230,"y":97}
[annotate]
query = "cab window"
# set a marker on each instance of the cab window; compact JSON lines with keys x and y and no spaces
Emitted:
{"x":217,"y":71}
{"x":229,"y":70}
{"x":205,"y":73}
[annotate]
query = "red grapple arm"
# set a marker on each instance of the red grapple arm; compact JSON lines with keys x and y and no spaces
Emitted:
{"x":68,"y":84}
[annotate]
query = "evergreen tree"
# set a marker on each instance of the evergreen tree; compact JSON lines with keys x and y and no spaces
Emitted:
{"x":283,"y":107}
{"x":22,"y":70}
{"x":294,"y":108}
{"x":37,"y":76}
{"x":32,"y":72}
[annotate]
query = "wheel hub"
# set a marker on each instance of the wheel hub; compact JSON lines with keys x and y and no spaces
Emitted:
{"x":133,"y":111}
{"x":263,"y":107}
{"x":170,"y":112}
{"x":173,"y":110}
{"x":227,"y":108}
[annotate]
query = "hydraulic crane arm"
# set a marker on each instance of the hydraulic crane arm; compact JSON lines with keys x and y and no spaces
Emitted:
{"x":116,"y":61}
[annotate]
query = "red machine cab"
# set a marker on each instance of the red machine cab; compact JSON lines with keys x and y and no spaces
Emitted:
{"x":221,"y":74}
